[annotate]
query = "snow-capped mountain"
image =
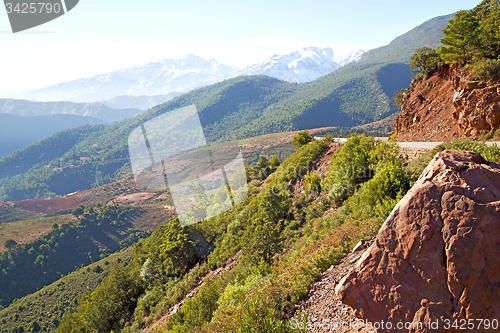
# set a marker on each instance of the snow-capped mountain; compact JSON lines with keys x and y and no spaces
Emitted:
{"x":157,"y":82}
{"x":305,"y":65}
{"x":156,"y":78}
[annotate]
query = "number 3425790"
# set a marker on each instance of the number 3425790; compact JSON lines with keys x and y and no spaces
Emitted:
{"x":33,"y":8}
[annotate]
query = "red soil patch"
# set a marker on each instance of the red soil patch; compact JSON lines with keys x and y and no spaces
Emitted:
{"x":6,"y":204}
{"x":49,"y":206}
{"x":132,"y":199}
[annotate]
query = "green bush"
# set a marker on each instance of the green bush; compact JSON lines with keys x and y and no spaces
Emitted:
{"x":385,"y":189}
{"x":313,"y":181}
{"x":274,"y":162}
{"x":302,"y":138}
{"x":351,"y":164}
{"x":338,"y":193}
{"x":423,"y":61}
{"x":398,"y":98}
{"x":10,"y":244}
{"x":235,"y":294}
{"x":484,"y":69}
{"x":198,"y":310}
{"x":489,"y":153}
{"x":356,"y":163}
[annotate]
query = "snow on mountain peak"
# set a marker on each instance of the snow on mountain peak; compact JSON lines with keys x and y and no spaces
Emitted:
{"x":306,"y":64}
{"x":159,"y":77}
{"x":165,"y":76}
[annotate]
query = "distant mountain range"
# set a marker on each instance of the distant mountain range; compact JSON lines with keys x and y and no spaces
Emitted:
{"x":157,"y":82}
{"x":305,"y":65}
{"x":138,"y":102}
{"x":96,"y":110}
{"x":156,"y":78}
{"x":17,"y":132}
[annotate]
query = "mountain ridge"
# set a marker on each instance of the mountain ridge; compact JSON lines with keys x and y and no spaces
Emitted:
{"x":165,"y":79}
{"x":17,"y":132}
{"x":304,"y":65}
{"x":97,"y":110}
{"x":154,"y":78}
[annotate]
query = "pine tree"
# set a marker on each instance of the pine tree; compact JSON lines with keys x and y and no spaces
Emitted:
{"x":461,"y":38}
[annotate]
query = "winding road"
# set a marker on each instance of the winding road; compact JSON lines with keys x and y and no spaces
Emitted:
{"x":428,"y":145}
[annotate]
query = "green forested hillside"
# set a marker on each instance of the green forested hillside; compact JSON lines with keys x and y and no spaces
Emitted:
{"x":402,"y":48}
{"x":233,"y":109}
{"x":263,"y":287}
{"x":100,"y":232}
{"x":287,"y":239}
{"x":45,"y":308}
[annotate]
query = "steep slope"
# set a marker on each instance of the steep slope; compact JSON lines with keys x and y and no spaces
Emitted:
{"x":97,"y":110}
{"x":402,"y":48}
{"x":447,"y":106}
{"x":304,"y":65}
{"x":17,"y":132}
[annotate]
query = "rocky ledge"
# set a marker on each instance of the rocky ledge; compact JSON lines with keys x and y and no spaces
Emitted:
{"x":436,"y":259}
{"x":448,"y":106}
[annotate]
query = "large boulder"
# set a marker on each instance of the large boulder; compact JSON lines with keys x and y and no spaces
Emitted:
{"x":437,"y":257}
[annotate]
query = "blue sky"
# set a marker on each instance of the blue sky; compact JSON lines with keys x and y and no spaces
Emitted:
{"x":98,"y":36}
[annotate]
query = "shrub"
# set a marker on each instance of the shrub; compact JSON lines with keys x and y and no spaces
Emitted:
{"x":199,"y":309}
{"x":490,"y":153}
{"x":351,"y":164}
{"x":10,"y":244}
{"x":302,"y":138}
{"x":398,"y":98}
{"x":313,"y":181}
{"x":385,"y":189}
{"x":423,"y":61}
{"x":97,"y":269}
{"x":338,"y":193}
{"x":274,"y":162}
{"x":484,"y":69}
{"x":235,"y":294}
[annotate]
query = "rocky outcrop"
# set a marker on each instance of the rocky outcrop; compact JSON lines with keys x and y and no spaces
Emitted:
{"x":448,"y":106}
{"x":477,"y":106}
{"x":436,"y":259}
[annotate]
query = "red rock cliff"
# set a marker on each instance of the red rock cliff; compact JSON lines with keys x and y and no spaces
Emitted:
{"x":448,"y":106}
{"x":437,"y":256}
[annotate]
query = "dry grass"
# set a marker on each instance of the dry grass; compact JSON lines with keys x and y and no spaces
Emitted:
{"x":26,"y":231}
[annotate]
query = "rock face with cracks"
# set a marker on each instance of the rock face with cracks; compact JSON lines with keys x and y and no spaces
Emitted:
{"x":448,"y":106}
{"x":437,"y":256}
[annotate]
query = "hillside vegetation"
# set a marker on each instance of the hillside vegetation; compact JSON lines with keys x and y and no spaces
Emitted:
{"x":43,"y":310}
{"x":99,"y":232}
{"x":238,"y":108}
{"x":471,"y":38}
{"x":287,"y":239}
